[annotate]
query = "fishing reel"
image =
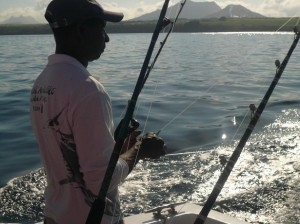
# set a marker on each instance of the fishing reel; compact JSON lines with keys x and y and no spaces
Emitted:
{"x":166,"y":21}
{"x":134,"y":124}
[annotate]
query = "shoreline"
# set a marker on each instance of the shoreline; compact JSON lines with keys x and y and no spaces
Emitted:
{"x":182,"y":26}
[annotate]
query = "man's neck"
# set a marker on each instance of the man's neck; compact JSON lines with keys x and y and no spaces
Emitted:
{"x":75,"y":55}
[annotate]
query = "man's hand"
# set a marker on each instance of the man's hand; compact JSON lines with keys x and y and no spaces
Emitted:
{"x":130,"y":141}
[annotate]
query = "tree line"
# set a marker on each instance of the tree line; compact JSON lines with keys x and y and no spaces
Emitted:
{"x":183,"y":25}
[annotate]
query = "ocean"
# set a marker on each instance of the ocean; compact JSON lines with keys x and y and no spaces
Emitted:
{"x":198,"y":97}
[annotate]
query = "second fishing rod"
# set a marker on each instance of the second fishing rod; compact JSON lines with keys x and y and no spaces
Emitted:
{"x":280,"y":67}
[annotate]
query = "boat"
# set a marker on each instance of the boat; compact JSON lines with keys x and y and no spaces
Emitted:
{"x":177,"y":213}
{"x":180,"y":213}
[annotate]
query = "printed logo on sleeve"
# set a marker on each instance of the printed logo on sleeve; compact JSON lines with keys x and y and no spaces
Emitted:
{"x":39,"y":96}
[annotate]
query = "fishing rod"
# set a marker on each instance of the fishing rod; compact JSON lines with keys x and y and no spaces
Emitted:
{"x":280,"y":67}
{"x":162,"y":44}
{"x":96,"y":213}
{"x":165,"y":23}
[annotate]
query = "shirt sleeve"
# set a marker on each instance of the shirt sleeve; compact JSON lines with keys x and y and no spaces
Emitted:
{"x":93,"y":126}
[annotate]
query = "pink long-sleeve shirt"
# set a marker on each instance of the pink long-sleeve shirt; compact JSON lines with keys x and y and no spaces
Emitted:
{"x":72,"y":120}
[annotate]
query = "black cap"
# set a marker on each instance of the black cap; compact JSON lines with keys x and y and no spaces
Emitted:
{"x":62,"y":13}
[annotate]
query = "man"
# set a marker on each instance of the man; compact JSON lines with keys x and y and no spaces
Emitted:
{"x":72,"y":118}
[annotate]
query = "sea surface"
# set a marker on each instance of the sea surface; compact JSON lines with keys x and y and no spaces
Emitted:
{"x":198,"y":97}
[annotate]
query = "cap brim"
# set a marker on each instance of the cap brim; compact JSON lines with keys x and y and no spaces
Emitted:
{"x":112,"y":16}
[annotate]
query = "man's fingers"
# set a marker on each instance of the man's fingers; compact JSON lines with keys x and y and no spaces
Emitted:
{"x":134,"y":134}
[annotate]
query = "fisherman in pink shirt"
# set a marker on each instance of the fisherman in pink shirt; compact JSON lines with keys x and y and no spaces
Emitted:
{"x":72,"y":119}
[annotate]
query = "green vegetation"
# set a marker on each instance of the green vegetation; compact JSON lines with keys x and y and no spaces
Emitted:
{"x":19,"y":29}
{"x":244,"y":24}
{"x":203,"y":25}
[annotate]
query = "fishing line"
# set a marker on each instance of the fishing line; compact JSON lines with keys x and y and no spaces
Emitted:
{"x":298,"y":20}
{"x":198,"y":98}
{"x":195,"y":102}
{"x":152,"y":64}
{"x":139,"y":101}
{"x":260,"y":91}
{"x":164,"y":23}
{"x":293,"y":17}
{"x":244,"y":118}
{"x":156,"y":82}
{"x":238,"y":150}
{"x":150,"y":108}
{"x":97,"y":209}
{"x":191,"y":105}
{"x":180,"y":7}
{"x":239,"y":127}
{"x":210,"y":88}
{"x":184,"y":110}
{"x":155,"y":88}
{"x":228,"y":69}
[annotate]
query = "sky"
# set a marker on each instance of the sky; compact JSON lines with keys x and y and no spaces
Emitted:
{"x":134,"y":8}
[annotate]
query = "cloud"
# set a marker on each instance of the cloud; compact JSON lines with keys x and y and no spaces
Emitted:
{"x":281,"y":8}
{"x":272,"y":8}
{"x":41,"y":5}
{"x":128,"y":12}
{"x":37,"y":11}
{"x":140,"y":8}
{"x":16,"y":12}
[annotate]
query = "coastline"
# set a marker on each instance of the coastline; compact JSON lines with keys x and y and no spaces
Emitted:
{"x":183,"y":25}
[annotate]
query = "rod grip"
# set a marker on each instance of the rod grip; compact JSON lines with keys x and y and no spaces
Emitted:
{"x":96,"y":212}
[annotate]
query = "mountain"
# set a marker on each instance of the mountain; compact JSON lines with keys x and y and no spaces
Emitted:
{"x":201,"y":10}
{"x":191,"y":10}
{"x":235,"y":11}
{"x":20,"y":20}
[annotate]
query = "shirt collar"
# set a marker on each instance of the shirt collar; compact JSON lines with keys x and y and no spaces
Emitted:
{"x":65,"y":59}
